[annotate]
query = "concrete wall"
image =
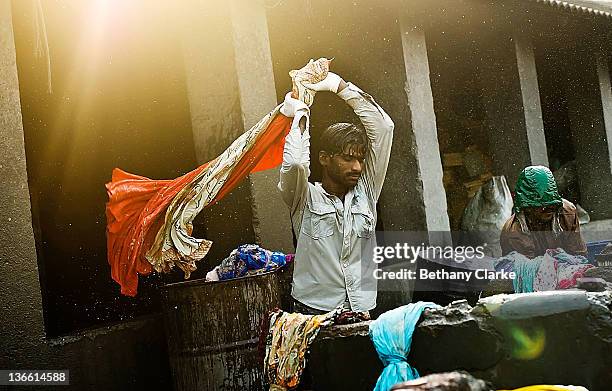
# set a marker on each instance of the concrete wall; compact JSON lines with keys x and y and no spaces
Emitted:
{"x":21,"y":309}
{"x":588,"y":83}
{"x":518,"y":340}
{"x":119,"y":100}
{"x":216,"y":117}
{"x":129,"y":355}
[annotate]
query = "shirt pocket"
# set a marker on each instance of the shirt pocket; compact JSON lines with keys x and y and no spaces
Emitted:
{"x":319,"y":221}
{"x":363,"y":221}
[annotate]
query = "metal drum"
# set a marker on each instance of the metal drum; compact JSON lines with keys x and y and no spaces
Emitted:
{"x":213,"y":328}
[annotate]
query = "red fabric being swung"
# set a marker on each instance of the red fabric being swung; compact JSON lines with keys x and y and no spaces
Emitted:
{"x":137,"y":205}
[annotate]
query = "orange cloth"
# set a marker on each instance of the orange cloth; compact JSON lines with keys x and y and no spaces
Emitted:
{"x":137,"y":205}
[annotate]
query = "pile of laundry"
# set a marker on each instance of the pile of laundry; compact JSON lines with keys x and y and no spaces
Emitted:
{"x":248,"y":260}
{"x":554,"y":270}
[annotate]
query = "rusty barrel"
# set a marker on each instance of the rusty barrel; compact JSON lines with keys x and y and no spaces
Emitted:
{"x":213,"y":329}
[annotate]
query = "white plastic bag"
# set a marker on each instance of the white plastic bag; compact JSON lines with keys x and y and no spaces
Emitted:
{"x":486,"y":213}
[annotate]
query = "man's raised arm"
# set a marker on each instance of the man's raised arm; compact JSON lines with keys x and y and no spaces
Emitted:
{"x":295,"y":169}
{"x":379,"y":128}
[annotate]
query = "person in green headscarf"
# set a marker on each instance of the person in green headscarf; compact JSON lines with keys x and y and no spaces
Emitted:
{"x":541,"y":219}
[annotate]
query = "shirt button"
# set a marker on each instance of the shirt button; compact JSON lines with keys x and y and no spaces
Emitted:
{"x":346,"y":241}
{"x":345,"y":264}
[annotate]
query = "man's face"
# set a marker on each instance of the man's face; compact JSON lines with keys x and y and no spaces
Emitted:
{"x":542,"y":214}
{"x":344,"y":168}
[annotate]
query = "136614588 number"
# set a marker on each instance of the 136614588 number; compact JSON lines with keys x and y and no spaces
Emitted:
{"x":33,"y":377}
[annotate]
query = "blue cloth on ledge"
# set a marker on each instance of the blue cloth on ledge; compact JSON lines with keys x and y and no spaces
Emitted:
{"x":391,"y":334}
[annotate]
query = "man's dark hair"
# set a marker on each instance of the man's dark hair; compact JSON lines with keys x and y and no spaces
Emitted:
{"x":337,"y":137}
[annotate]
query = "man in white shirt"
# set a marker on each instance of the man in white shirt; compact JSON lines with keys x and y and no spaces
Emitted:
{"x":334,"y":220}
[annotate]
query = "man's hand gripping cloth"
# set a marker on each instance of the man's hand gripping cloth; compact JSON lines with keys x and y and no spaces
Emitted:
{"x":391,"y":334}
{"x":149,"y":222}
{"x":288,"y":339}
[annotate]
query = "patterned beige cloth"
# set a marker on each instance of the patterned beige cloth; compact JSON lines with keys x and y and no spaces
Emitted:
{"x":288,"y":339}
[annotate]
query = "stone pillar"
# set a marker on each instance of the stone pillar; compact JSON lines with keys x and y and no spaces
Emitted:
{"x":257,"y":97}
{"x":512,"y":103}
{"x":423,"y":127}
{"x":590,"y":113}
{"x":530,"y":94}
{"x":605,"y":89}
{"x":253,"y":60}
{"x":231,"y":86}
{"x":20,"y":289}
{"x":414,"y":199}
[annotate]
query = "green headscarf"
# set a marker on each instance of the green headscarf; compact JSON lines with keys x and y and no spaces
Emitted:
{"x":536,"y":187}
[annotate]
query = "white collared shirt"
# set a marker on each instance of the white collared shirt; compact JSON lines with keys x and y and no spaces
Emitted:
{"x":331,"y":233}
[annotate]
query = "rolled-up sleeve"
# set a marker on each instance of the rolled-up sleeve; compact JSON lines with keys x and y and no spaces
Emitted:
{"x":295,"y":168}
{"x":379,"y":129}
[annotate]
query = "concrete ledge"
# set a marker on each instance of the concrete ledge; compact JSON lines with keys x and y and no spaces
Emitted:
{"x":597,"y":230}
{"x":509,"y":340}
{"x":343,"y":358}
